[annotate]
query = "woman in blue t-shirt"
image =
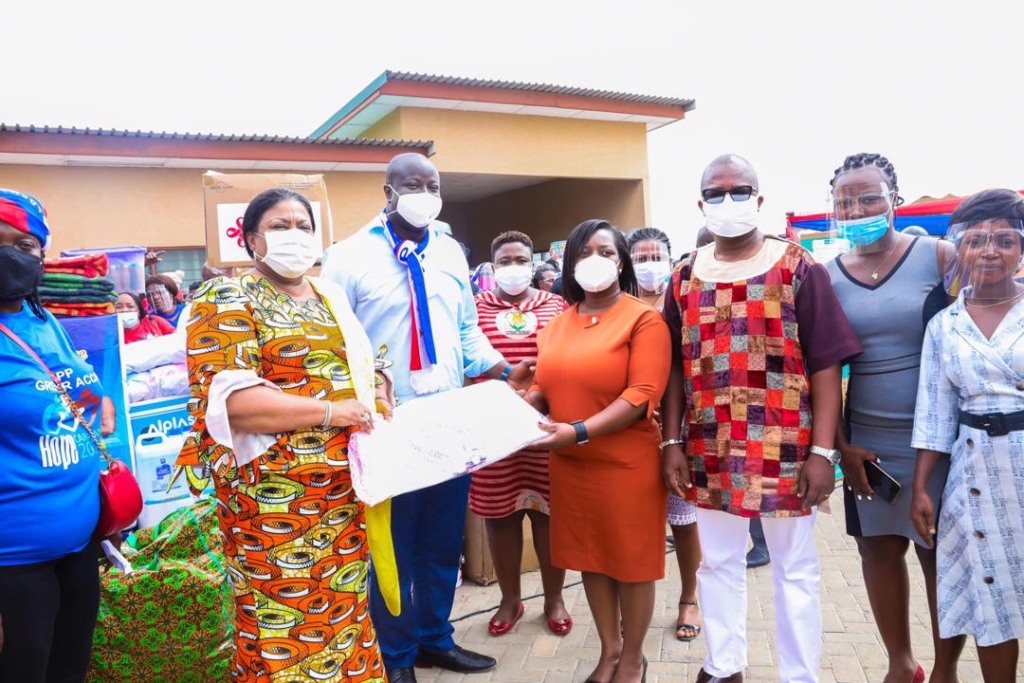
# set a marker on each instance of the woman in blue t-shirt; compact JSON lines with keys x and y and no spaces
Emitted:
{"x":49,"y":471}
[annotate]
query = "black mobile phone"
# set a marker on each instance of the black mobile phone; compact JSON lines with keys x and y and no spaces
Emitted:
{"x":882,"y":483}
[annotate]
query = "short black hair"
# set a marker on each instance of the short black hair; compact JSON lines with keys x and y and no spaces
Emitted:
{"x":510,"y":237}
{"x":541,"y":269}
{"x":578,"y":239}
{"x":989,"y":204}
{"x":867,"y":160}
{"x":262,"y":203}
{"x":645,"y":234}
{"x":138,"y":303}
{"x":553,"y":262}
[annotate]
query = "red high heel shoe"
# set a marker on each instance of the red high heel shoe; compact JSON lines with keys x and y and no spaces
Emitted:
{"x":496,"y":627}
{"x":919,"y":674}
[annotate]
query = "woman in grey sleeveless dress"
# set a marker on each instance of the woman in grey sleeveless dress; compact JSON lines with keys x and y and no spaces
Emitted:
{"x":890,"y":285}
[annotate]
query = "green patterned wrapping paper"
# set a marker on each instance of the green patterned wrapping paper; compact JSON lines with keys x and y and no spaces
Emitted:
{"x":170,"y":621}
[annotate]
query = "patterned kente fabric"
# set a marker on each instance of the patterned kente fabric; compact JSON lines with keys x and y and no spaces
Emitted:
{"x":294,"y":533}
{"x":747,"y":389}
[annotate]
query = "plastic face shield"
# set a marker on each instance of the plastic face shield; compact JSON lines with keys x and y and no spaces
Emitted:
{"x":861,"y":215}
{"x":652,"y":264}
{"x":159,"y":297}
{"x":989,"y":254}
{"x":649,"y":250}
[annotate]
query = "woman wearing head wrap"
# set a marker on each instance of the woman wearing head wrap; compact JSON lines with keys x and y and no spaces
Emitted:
{"x":162,"y":293}
{"x":281,"y":375}
{"x":138,"y":325}
{"x":970,"y":418}
{"x":49,"y":481}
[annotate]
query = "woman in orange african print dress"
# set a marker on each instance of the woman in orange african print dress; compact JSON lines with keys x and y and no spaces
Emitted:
{"x":277,"y":386}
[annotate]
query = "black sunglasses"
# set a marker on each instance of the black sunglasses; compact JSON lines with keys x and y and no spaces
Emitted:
{"x":739,"y":194}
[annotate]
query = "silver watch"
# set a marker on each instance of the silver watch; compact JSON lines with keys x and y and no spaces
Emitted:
{"x":830,"y":454}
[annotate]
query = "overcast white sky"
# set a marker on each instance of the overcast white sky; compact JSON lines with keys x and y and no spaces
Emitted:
{"x":794,"y":86}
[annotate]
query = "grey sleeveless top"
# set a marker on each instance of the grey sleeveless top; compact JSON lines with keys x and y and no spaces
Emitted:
{"x":889,"y":318}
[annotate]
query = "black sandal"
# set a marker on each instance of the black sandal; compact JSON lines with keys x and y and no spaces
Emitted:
{"x":682,"y":627}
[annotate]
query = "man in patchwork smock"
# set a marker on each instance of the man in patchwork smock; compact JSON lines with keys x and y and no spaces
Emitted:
{"x":758,"y":342}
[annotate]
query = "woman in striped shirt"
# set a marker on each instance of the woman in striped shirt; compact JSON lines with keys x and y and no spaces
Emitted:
{"x":511,"y":316}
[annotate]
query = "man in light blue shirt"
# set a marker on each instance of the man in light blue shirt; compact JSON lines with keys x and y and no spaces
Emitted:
{"x":408,"y":283}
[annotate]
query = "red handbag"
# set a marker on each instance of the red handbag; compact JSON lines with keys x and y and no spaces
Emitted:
{"x":120,"y":496}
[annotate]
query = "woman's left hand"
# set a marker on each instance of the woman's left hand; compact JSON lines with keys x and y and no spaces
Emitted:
{"x":560,"y":436}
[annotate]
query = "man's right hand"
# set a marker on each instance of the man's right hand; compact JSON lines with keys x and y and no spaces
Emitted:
{"x":676,"y":470}
{"x":851,"y":461}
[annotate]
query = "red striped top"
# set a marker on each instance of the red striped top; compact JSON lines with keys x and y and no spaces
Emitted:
{"x":519,"y":482}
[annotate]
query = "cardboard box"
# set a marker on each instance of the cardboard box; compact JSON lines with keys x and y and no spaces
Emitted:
{"x":478,"y":566}
{"x":226,"y":196}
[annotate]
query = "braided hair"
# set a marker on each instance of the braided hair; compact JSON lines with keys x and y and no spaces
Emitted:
{"x":645,"y":234}
{"x":868,"y":160}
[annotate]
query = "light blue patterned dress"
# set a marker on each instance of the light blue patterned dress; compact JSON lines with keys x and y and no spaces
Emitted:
{"x":981,"y":524}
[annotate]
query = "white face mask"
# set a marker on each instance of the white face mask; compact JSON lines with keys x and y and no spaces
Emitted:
{"x":596,"y":273}
{"x":290,"y":253}
{"x":513,"y":280}
{"x":130,"y":319}
{"x":651,"y":275}
{"x":418,"y":209}
{"x":731,"y":219}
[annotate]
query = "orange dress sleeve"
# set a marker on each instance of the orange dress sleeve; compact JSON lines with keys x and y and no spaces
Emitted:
{"x":650,"y":358}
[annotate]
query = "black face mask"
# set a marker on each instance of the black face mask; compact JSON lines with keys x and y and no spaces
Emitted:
{"x":20,"y":274}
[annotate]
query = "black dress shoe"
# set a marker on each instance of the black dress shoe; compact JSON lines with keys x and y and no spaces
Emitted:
{"x":406,"y":674}
{"x":705,"y":677}
{"x":456,"y":659}
{"x":758,"y":557}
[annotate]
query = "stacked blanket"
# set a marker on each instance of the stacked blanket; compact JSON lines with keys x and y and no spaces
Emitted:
{"x":77,"y":286}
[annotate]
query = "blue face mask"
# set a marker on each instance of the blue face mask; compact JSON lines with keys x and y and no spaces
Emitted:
{"x":864,"y":231}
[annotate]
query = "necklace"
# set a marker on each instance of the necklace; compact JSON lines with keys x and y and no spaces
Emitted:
{"x":892,"y":250}
{"x":998,"y":303}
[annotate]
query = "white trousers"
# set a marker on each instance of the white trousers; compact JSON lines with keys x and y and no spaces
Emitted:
{"x":722,"y":586}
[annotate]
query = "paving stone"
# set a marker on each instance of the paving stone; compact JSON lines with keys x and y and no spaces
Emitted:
{"x":851,"y":652}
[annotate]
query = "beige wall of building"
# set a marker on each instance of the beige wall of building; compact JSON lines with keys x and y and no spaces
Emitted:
{"x":157,"y":207}
{"x":481,"y":142}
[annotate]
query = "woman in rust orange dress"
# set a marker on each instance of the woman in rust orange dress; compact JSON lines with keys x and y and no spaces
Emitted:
{"x":601,"y":370}
{"x":281,"y":373}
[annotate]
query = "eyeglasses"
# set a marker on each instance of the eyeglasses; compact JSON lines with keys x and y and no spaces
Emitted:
{"x":871,"y":203}
{"x":740,"y":193}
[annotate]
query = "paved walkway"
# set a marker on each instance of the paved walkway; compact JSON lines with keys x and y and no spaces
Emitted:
{"x":852,"y":651}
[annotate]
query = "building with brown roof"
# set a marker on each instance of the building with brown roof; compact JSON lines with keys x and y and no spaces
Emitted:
{"x":537,"y":158}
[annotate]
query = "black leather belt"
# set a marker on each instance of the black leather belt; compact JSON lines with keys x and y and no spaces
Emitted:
{"x":995,"y":424}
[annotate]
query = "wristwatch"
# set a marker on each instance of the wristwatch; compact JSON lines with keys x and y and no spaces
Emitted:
{"x":830,"y":454}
